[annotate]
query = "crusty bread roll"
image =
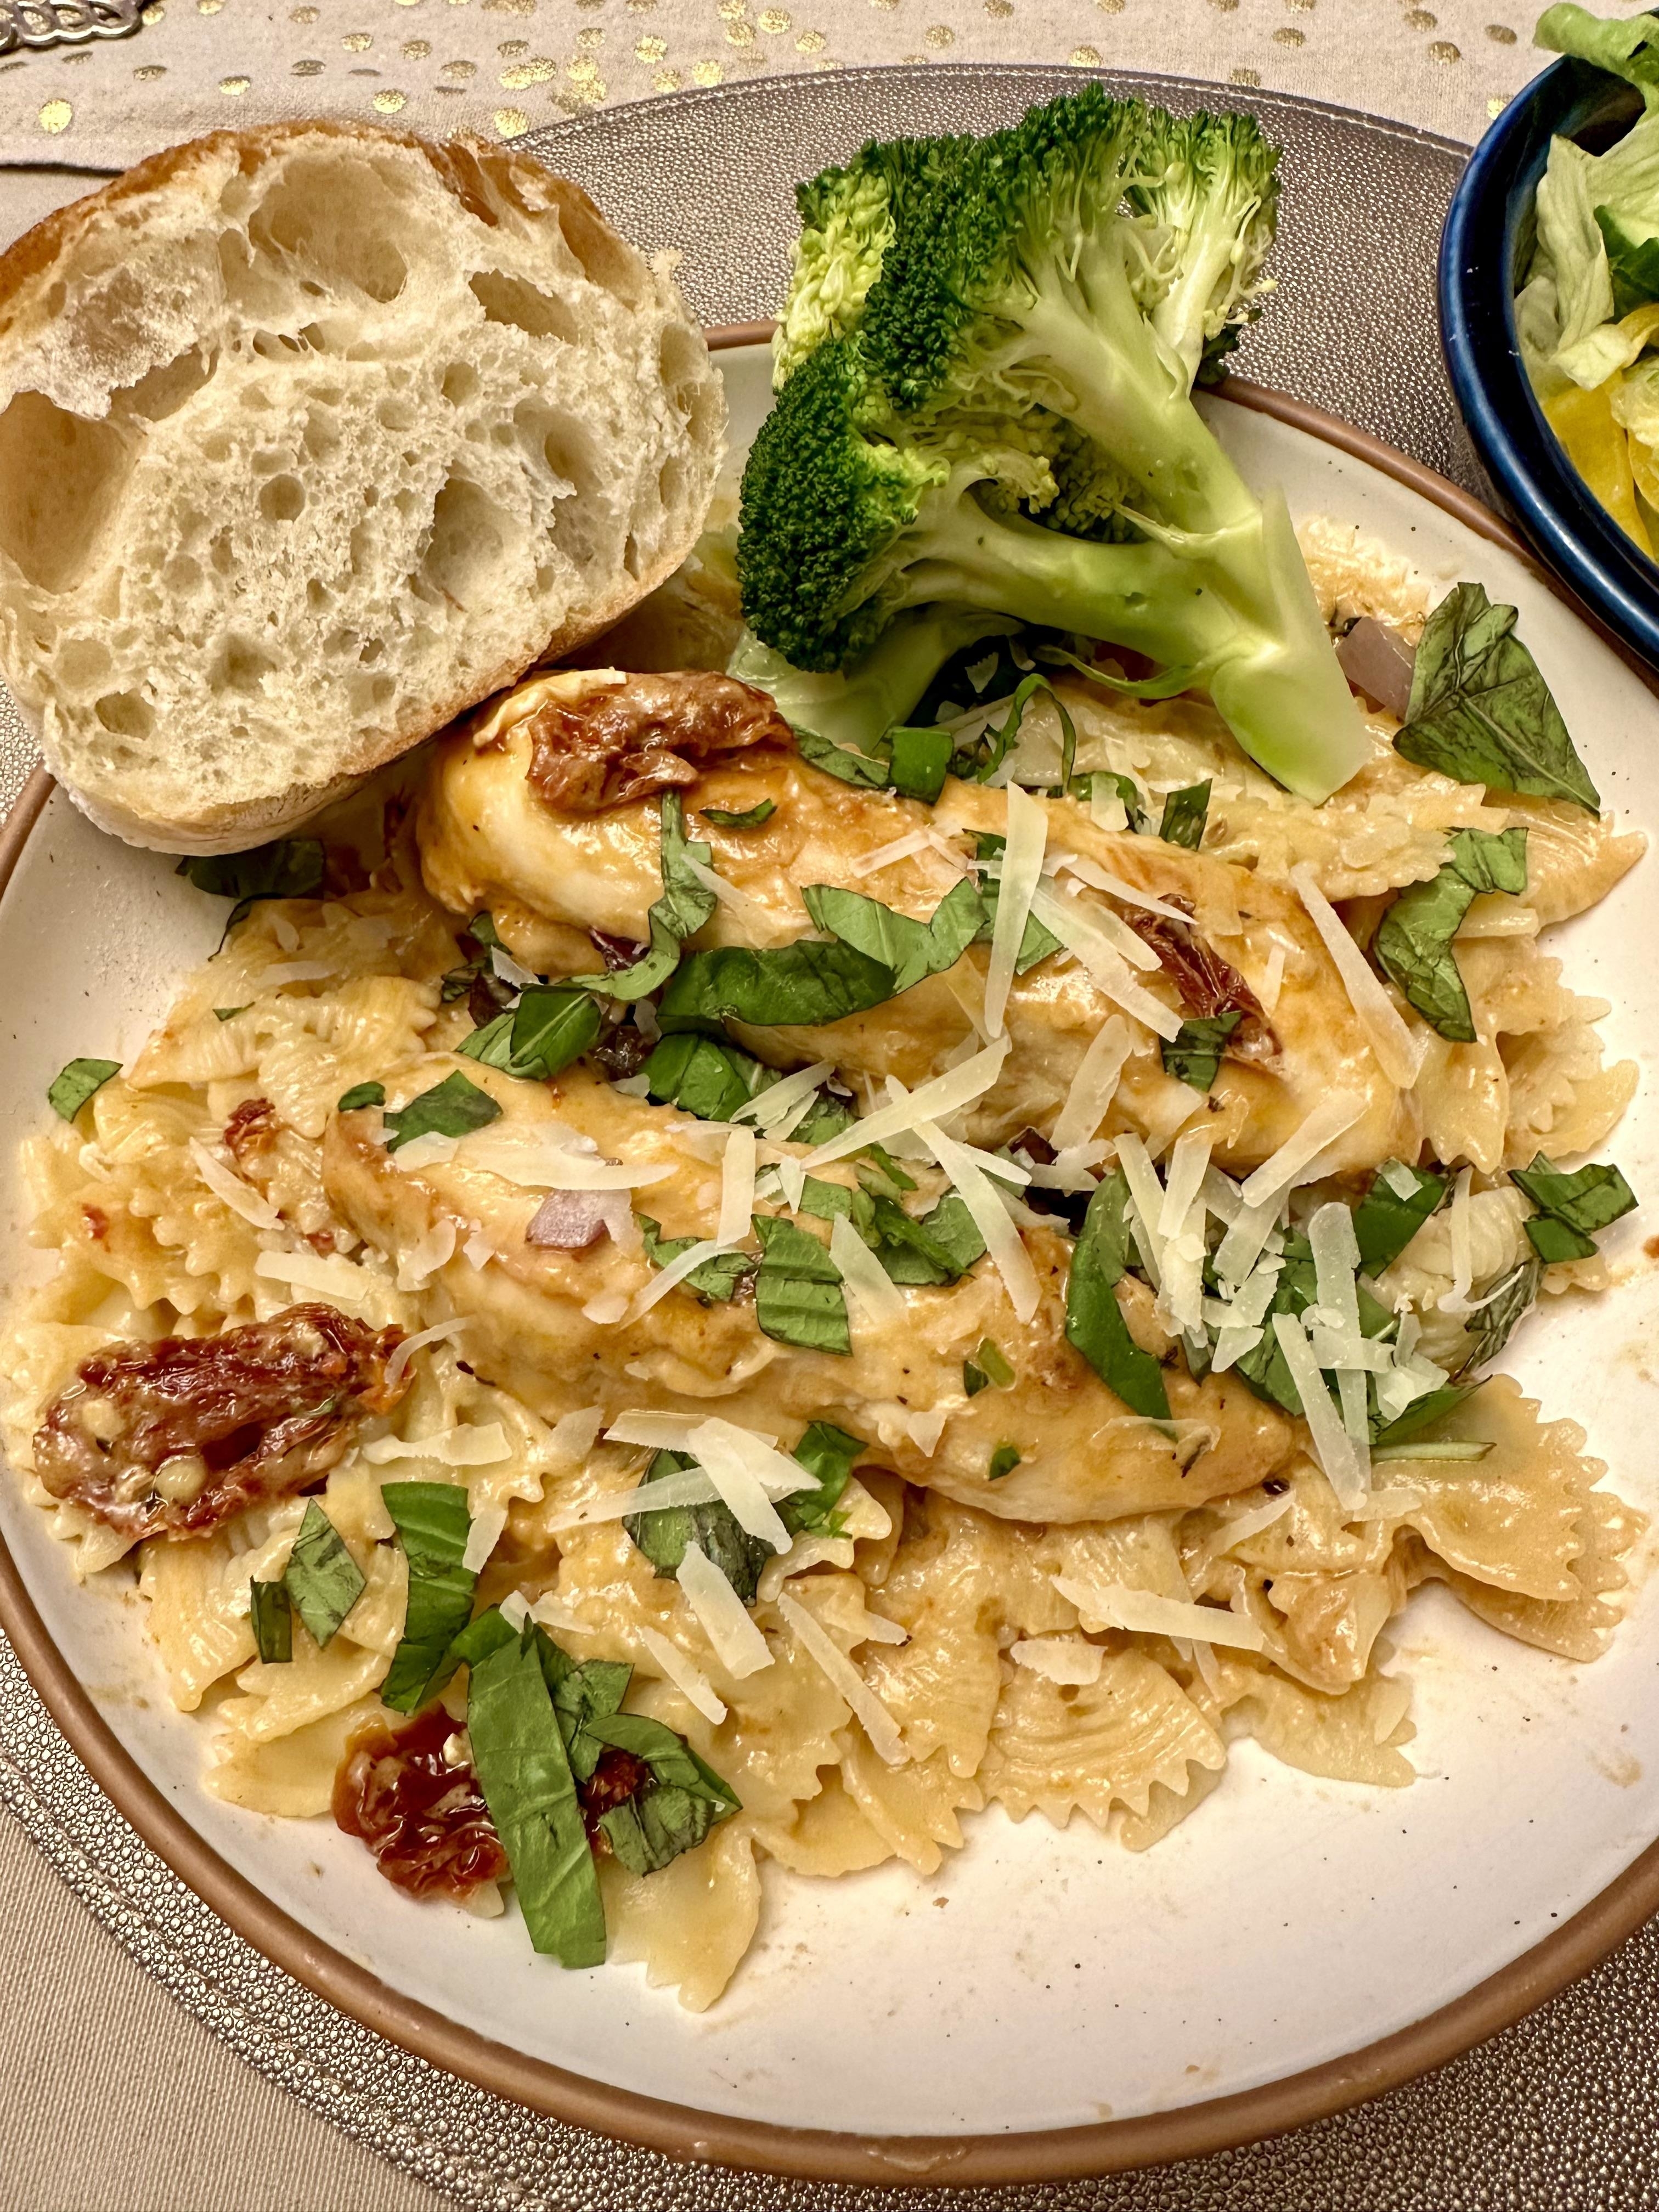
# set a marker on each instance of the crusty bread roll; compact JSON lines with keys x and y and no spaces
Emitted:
{"x":312,"y":437}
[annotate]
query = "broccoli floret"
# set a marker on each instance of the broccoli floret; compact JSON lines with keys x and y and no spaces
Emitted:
{"x":847,"y":219}
{"x":1004,"y":395}
{"x":1207,"y":194}
{"x":858,"y":709}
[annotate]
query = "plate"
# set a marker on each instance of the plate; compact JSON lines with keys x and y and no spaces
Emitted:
{"x":1048,"y":2003}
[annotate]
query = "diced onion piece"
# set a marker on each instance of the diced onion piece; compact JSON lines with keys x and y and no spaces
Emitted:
{"x":944,"y":1094}
{"x":483,"y":1445}
{"x":776,"y":1110}
{"x":978,"y":1194}
{"x":1142,"y":1613}
{"x":1060,"y":1658}
{"x":1108,"y":969}
{"x":1302,"y":1149}
{"x":689,"y":1679}
{"x":439,"y":1332}
{"x":724,"y":1619}
{"x":514,"y":1609}
{"x":1090,"y":871}
{"x":877,"y":1722}
{"x":239,"y":1196}
{"x":1093,"y":1085}
{"x":329,"y":1275}
{"x":737,"y":1188}
{"x":1021,"y":866}
{"x":431,"y":1250}
{"x":482,"y":1537}
{"x":1399,"y":1053}
{"x":879,"y":1299}
{"x":733,"y":1461}
{"x":1243,"y":1526}
{"x":531,"y":1159}
{"x":1331,"y":1445}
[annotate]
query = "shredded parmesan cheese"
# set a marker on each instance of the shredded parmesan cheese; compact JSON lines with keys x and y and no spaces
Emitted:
{"x":431,"y":1250}
{"x":1108,"y":969}
{"x":978,"y":1194}
{"x":330,"y":1277}
{"x":1114,"y":1605}
{"x":736,"y":1462}
{"x":295,"y":971}
{"x":483,"y":1445}
{"x":530,"y":1158}
{"x":1090,"y":871}
{"x":689,"y":1679}
{"x":944,"y":1094}
{"x":1243,"y":1526}
{"x":1302,"y":1149}
{"x":482,"y":1536}
{"x":239,"y":1196}
{"x":867,"y":1708}
{"x":1399,"y":1053}
{"x":548,"y":1612}
{"x":575,"y":1434}
{"x":431,"y":1151}
{"x":1272,"y":982}
{"x":1060,"y":1658}
{"x":868,"y":1284}
{"x":1331,"y":1447}
{"x":1093,"y":1085}
{"x":776,"y":1111}
{"x":721,"y":1614}
{"x":406,"y":1350}
{"x":756,"y":919}
{"x":514,"y":1609}
{"x":1021,"y":866}
{"x":737,"y":1188}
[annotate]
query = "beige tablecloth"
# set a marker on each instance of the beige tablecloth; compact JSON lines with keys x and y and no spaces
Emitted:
{"x":112,"y":2099}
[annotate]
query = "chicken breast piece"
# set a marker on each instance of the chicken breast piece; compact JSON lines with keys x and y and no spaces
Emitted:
{"x":549,"y":876}
{"x":1085,"y":1455}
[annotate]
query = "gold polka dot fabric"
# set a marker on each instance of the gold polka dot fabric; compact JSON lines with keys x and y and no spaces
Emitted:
{"x":503,"y":67}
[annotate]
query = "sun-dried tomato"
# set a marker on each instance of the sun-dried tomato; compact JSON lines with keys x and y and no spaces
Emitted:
{"x":618,"y":1777}
{"x":424,"y":1818}
{"x":251,"y":1131}
{"x":650,"y":733}
{"x":1206,"y":984}
{"x":175,"y":1438}
{"x":97,"y":1221}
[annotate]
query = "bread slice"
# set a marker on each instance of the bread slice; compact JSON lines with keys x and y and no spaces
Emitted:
{"x":313,"y":436}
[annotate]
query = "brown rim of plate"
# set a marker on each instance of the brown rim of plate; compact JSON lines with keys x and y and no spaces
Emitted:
{"x":822,"y":2155}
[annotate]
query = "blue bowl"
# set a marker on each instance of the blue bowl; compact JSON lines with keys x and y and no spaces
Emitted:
{"x":1484,"y":252}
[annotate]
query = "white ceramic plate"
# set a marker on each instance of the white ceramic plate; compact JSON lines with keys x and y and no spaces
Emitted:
{"x":1043,"y":1980}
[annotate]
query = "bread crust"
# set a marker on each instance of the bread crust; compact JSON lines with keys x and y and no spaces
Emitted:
{"x":471,"y":170}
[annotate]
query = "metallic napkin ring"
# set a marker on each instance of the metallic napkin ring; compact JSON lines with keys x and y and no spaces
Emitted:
{"x":37,"y":23}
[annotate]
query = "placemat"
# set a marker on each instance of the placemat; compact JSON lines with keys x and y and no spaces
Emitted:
{"x":1562,"y":2111}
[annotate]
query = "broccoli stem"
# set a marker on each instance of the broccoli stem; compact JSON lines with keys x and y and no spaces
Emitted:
{"x":858,"y":707}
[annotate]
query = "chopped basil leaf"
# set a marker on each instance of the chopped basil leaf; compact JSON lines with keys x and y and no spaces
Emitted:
{"x":683,"y":907}
{"x":717,"y":1278}
{"x":544,"y":1034}
{"x":1480,"y":711}
{"x":291,"y":868}
{"x":981,"y":761}
{"x":524,"y":1771}
{"x":912,"y":950}
{"x":272,"y":1616}
{"x":685,"y":1799}
{"x":359,"y":1095}
{"x":1423,"y":1412}
{"x":450,"y":1108}
{"x":995,"y":1367}
{"x":664,"y":1534}
{"x":1004,"y":1459}
{"x":1037,"y":941}
{"x":871,"y":770}
{"x":229,"y":1013}
{"x":974,"y":1379}
{"x":1094,"y":1320}
{"x":1414,"y":943}
{"x":431,"y":1522}
{"x":1492,"y":1325}
{"x":920,"y":763}
{"x":824,"y":1118}
{"x":1571,"y":1207}
{"x":1264,"y":1368}
{"x":581,"y":1695}
{"x":71,"y":1088}
{"x":824,"y":1200}
{"x":488,"y":1634}
{"x":881,"y":1174}
{"x":829,"y":1455}
{"x":1193,"y":1055}
{"x":1384,"y":1223}
{"x":798,"y":1297}
{"x":323,"y":1581}
{"x":939,"y":1248}
{"x":702,"y":1076}
{"x":751,"y":818}
{"x":1126,"y":787}
{"x":806,"y":982}
{"x":1184,"y":816}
